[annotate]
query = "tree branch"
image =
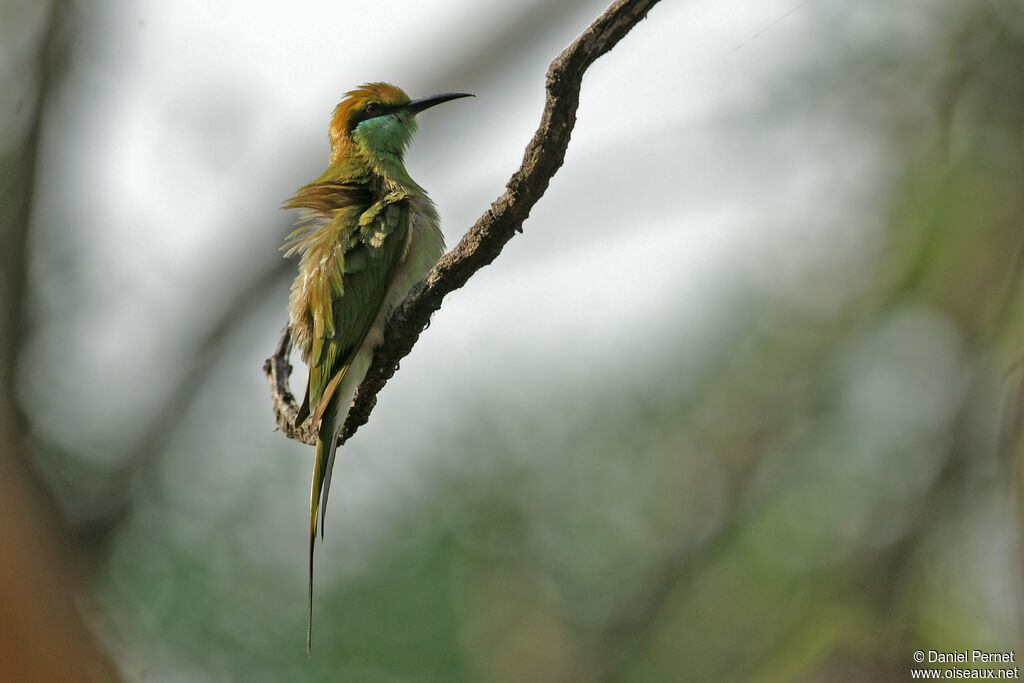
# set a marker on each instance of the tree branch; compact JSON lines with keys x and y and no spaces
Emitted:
{"x":485,"y":240}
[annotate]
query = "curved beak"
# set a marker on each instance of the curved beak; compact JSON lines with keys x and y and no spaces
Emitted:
{"x":418,"y":105}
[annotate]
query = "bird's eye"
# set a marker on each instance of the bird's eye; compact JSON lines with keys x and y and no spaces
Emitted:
{"x":373,"y":109}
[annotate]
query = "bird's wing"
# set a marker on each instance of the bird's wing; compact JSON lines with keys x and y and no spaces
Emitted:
{"x":371,"y":250}
{"x":326,"y":209}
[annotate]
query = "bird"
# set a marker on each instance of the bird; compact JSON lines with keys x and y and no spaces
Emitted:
{"x":367,"y":232}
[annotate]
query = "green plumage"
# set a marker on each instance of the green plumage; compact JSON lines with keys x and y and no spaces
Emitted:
{"x":357,"y":266}
{"x":367,"y":233}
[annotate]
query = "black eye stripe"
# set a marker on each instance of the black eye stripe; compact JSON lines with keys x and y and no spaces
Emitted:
{"x":363,"y":114}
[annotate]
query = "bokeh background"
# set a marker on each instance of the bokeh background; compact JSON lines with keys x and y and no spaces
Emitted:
{"x":740,"y":404}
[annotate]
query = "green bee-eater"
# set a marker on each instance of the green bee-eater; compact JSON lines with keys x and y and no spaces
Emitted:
{"x":367,"y":234}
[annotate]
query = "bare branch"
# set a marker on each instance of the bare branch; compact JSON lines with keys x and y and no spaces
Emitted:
{"x":277,"y":368}
{"x":485,"y":240}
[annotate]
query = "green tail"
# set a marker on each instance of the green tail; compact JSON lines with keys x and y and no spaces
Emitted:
{"x":325,"y":449}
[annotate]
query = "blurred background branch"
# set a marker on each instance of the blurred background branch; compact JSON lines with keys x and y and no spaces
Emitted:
{"x":43,"y":636}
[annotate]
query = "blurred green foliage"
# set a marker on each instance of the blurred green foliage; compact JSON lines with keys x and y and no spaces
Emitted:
{"x":824,"y":486}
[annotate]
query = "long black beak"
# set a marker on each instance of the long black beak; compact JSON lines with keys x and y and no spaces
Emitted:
{"x":416,"y":106}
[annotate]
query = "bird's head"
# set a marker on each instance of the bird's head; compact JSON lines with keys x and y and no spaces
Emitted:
{"x":379,"y":120}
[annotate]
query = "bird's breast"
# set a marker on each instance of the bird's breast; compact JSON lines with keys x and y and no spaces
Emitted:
{"x":424,"y":246}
